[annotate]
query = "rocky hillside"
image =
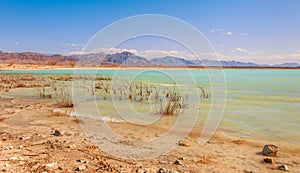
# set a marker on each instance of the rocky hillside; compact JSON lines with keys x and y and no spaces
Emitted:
{"x":124,"y":59}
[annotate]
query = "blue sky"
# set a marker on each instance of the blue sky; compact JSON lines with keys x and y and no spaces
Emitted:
{"x":262,"y":31}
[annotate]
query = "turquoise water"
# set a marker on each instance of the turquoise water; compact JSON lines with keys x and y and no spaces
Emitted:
{"x":261,"y":104}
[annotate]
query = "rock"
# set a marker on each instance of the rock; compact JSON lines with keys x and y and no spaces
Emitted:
{"x":9,"y":147}
{"x":25,"y":138}
{"x":177,"y":162}
{"x":161,"y":170}
{"x":247,"y":171}
{"x":13,"y":158}
{"x":56,"y":133}
{"x":183,"y":143}
{"x":51,"y":164}
{"x":21,"y":147}
{"x":268,"y":160}
{"x":163,"y":162}
{"x":80,"y":168}
{"x":181,"y":158}
{"x":82,"y":161}
{"x":270,"y":150}
{"x":283,"y":168}
{"x":140,"y":170}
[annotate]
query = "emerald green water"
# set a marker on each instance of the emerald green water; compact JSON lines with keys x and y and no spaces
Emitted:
{"x":260,"y":104}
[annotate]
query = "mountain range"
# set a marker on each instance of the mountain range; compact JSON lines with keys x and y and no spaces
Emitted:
{"x":124,"y":59}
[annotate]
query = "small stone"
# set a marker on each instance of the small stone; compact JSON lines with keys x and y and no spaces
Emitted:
{"x":80,"y":168}
{"x":163,"y":162}
{"x":247,"y":171}
{"x":268,"y":160}
{"x":10,"y":147}
{"x":283,"y":168}
{"x":6,"y":165}
{"x":140,"y":169}
{"x":183,"y":143}
{"x":56,"y":133}
{"x":25,"y":138}
{"x":177,"y":162}
{"x":161,"y":170}
{"x":21,"y":147}
{"x":13,"y":158}
{"x":81,"y":161}
{"x":181,"y":158}
{"x":270,"y":150}
{"x":51,"y":164}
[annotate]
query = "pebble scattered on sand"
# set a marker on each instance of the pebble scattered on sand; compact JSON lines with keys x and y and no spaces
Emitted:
{"x":283,"y":167}
{"x":270,"y":150}
{"x":269,"y":160}
{"x":177,"y":162}
{"x":56,"y":133}
{"x":80,"y":168}
{"x":183,"y":143}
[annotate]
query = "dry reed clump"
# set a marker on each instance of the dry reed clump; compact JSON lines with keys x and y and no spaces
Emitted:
{"x":12,"y":81}
{"x":168,"y":100}
{"x":65,"y":99}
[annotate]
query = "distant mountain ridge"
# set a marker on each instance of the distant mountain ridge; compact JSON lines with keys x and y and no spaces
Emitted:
{"x":124,"y":59}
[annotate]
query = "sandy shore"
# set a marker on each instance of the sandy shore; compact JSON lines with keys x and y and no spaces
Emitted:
{"x":27,"y":144}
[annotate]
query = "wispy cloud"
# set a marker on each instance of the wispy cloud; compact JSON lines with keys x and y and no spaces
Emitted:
{"x":17,"y":43}
{"x":144,"y":53}
{"x":221,"y":31}
{"x":244,"y":51}
{"x":229,"y":33}
{"x":238,"y":54}
{"x":72,"y":44}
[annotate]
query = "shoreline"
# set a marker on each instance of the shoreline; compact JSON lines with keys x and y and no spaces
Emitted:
{"x":5,"y":67}
{"x":34,"y":148}
{"x":35,"y":138}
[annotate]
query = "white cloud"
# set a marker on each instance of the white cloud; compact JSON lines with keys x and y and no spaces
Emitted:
{"x":229,"y":33}
{"x":76,"y":53}
{"x":114,"y":50}
{"x":145,"y":53}
{"x":72,"y":44}
{"x":17,"y":43}
{"x":245,"y":51}
{"x":221,"y":31}
{"x":163,"y":53}
{"x":238,"y":54}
